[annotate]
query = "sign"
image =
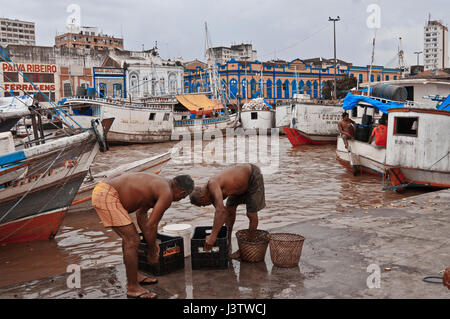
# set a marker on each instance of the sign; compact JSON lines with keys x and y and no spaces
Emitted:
{"x":30,"y":68}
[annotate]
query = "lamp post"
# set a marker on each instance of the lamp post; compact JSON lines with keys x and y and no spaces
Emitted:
{"x":418,"y":54}
{"x":334,"y":20}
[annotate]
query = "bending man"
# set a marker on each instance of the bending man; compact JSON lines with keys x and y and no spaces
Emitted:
{"x":116,"y":198}
{"x":241,"y":184}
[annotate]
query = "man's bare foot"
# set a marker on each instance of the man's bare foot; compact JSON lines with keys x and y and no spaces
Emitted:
{"x":235,"y":255}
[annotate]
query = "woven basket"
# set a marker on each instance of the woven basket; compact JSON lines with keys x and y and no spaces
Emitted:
{"x":252,"y":244}
{"x":285,"y":249}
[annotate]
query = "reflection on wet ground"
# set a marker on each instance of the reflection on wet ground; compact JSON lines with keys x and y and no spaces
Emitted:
{"x":309,"y":184}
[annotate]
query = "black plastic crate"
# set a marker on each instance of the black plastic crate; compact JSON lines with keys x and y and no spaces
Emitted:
{"x":216,"y":258}
{"x":171,"y":255}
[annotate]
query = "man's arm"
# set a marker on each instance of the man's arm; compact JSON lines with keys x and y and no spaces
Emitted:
{"x":150,"y":228}
{"x":219,"y":215}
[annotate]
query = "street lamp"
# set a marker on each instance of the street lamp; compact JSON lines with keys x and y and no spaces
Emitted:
{"x":334,"y":20}
{"x":418,"y":54}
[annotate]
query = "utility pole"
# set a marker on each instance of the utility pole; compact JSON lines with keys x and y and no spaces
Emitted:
{"x":418,"y":54}
{"x":334,"y":20}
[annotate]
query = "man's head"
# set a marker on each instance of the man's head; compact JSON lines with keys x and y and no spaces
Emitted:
{"x":182,"y":186}
{"x":382,"y":121}
{"x":345,"y":116}
{"x":200,"y":197}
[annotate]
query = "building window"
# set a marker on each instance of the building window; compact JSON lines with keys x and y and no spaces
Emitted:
{"x":166,"y":116}
{"x":67,"y":89}
{"x":254,"y":115}
{"x":152,"y":116}
{"x":10,"y":77}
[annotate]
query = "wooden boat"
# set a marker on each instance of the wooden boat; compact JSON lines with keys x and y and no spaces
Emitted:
{"x":38,"y":183}
{"x":82,"y":200}
{"x":257,"y":114}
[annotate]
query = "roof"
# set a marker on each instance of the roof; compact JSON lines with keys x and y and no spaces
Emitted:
{"x":198,"y":103}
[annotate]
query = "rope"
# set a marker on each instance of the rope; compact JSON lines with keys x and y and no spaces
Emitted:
{"x":427,"y":279}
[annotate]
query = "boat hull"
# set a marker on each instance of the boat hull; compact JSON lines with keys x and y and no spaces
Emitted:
{"x":297,"y":138}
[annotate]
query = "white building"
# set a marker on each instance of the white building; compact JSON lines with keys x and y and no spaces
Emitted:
{"x":16,"y":32}
{"x":435,"y":46}
{"x":239,"y":52}
{"x":147,"y":74}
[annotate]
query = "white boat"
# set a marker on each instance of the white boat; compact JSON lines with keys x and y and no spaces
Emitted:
{"x":142,"y":122}
{"x":152,"y":164}
{"x":417,"y":151}
{"x":257,"y":114}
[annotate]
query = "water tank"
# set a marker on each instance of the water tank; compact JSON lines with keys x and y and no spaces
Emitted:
{"x":390,"y":92}
{"x":90,"y":92}
{"x":81,"y":91}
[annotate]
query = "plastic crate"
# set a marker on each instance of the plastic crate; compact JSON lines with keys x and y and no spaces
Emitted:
{"x":171,"y":255}
{"x":217,"y":257}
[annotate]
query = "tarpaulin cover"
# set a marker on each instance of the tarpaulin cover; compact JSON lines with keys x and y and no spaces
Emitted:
{"x":351,"y":101}
{"x":198,"y":103}
{"x":445,"y":106}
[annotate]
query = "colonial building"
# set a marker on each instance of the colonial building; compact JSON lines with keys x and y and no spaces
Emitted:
{"x":87,"y":38}
{"x":16,"y":32}
{"x":278,"y":80}
{"x":145,"y":74}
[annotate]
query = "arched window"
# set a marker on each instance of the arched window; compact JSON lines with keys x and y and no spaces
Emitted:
{"x":187,"y":88}
{"x":378,"y":78}
{"x":286,"y":89}
{"x":269,"y":89}
{"x":372,"y":78}
{"x":244,"y":89}
{"x":301,"y":84}
{"x":294,"y":87}
{"x":233,"y":88}
{"x":308,"y":87}
{"x":117,"y":90}
{"x":253,"y":88}
{"x":316,"y":90}
{"x":360,"y":78}
{"x":172,"y":83}
{"x":387,"y":77}
{"x":134,"y":84}
{"x":162,"y":86}
{"x":102,"y":89}
{"x":395,"y":77}
{"x":279,"y":89}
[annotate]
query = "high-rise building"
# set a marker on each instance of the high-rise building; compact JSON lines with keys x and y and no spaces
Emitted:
{"x":239,"y":52}
{"x":435,"y":45}
{"x":16,"y":32}
{"x":87,"y":38}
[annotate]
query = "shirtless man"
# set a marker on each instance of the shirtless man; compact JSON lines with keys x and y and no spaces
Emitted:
{"x":241,"y":184}
{"x":346,"y":128}
{"x":117,"y":197}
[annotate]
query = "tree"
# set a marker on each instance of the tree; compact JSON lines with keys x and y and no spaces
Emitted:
{"x":343,"y":86}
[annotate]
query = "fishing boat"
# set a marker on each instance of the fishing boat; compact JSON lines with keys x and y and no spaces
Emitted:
{"x":197,"y":113}
{"x":148,"y":121}
{"x":38,"y":183}
{"x":417,"y":151}
{"x":257,"y":114}
{"x":153,"y":164}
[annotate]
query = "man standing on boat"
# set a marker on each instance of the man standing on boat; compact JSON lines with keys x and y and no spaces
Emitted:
{"x":346,"y":128}
{"x":240,"y":184}
{"x":116,"y":198}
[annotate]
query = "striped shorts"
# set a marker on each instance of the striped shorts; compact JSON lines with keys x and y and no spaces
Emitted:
{"x":106,"y":203}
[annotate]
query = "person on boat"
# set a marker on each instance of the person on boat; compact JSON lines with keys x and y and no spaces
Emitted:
{"x":379,"y":134}
{"x":240,"y":184}
{"x":115,"y":198}
{"x":346,"y":128}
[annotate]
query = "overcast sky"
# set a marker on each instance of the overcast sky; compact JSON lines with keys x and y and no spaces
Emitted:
{"x":283,"y":29}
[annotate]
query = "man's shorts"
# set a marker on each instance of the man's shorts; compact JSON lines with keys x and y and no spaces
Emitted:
{"x":106,"y":202}
{"x":254,"y":198}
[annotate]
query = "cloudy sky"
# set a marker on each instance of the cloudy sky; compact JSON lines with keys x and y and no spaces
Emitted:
{"x":283,"y":29}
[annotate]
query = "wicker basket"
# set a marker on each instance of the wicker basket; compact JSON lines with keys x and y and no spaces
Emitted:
{"x":252,"y":244}
{"x":285,"y":249}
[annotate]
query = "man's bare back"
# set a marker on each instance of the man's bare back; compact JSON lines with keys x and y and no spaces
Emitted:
{"x":139,"y":190}
{"x":233,"y":180}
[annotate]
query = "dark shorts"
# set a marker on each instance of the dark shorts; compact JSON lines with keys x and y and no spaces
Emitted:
{"x":254,"y":198}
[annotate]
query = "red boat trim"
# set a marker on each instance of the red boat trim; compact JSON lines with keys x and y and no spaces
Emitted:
{"x":37,"y":227}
